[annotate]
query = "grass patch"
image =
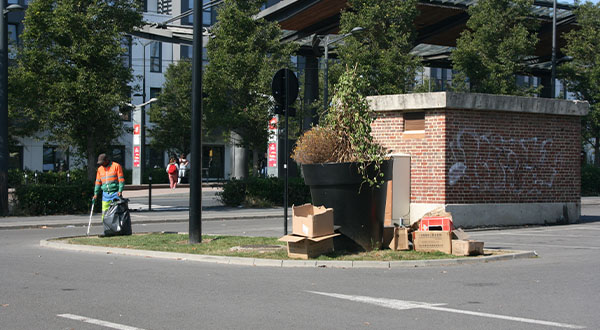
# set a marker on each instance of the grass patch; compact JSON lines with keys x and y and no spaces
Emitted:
{"x":221,"y":246}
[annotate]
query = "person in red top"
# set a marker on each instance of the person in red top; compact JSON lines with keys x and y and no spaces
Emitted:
{"x":172,"y":170}
{"x":110,"y":180}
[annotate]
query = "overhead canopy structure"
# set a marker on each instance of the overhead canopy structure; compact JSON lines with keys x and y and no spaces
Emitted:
{"x":438,"y":25}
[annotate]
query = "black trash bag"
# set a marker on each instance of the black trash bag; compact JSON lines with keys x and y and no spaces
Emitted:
{"x":117,"y":220}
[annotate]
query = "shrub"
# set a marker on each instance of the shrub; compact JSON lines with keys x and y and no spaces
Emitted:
{"x":46,"y":199}
{"x":17,"y":177}
{"x":261,"y":192}
{"x":590,"y":180}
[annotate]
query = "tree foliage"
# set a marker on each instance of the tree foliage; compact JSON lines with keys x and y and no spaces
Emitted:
{"x":382,"y":50}
{"x":582,"y":73}
{"x":243,"y":54}
{"x":172,"y":113}
{"x":491,"y":51}
{"x":69,"y":75}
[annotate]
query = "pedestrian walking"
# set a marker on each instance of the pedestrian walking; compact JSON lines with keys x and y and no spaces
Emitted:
{"x":172,"y":170}
{"x":184,"y":166}
{"x":110,"y":180}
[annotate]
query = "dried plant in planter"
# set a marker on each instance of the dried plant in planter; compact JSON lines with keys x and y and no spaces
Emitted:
{"x":317,"y":145}
{"x":346,"y":128}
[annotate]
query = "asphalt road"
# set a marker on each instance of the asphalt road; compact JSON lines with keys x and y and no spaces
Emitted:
{"x":173,"y":200}
{"x":42,"y":288}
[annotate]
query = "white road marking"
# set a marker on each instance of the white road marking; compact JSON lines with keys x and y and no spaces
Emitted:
{"x":547,"y":245}
{"x":98,"y":322}
{"x":534,"y":234}
{"x":403,"y":305}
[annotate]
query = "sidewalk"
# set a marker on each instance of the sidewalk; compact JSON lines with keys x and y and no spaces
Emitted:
{"x":159,"y":214}
{"x":210,"y":214}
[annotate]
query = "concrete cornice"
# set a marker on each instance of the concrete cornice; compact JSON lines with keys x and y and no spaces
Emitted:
{"x":474,"y":101}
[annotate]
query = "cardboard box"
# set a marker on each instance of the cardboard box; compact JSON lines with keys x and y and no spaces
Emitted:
{"x":312,"y":221}
{"x":430,"y":241}
{"x":396,"y":238}
{"x":466,"y":247}
{"x":304,"y":247}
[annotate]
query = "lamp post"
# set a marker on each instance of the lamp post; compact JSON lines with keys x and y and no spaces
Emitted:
{"x":195,"y":215}
{"x":553,"y":73}
{"x":4,"y":104}
{"x":139,"y":127}
{"x":328,"y":42}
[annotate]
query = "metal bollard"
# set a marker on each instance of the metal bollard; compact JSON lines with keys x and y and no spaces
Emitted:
{"x":149,"y":192}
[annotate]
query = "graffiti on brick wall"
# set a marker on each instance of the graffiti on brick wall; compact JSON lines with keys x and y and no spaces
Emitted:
{"x":493,"y":163}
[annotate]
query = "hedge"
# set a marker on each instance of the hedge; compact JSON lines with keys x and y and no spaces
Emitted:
{"x":264,"y":192}
{"x":590,"y":180}
{"x":47,"y":199}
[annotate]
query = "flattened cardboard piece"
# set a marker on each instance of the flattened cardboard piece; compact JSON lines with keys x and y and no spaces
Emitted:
{"x":400,"y":240}
{"x":388,"y":235}
{"x":387,"y":219}
{"x":292,"y":238}
{"x":312,"y":221}
{"x":304,"y":247}
{"x":396,"y":238}
{"x":467,"y":247}
{"x":296,"y":238}
{"x":430,"y":241}
{"x":460,"y":234}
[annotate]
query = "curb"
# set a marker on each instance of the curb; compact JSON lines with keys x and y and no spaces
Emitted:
{"x":239,"y":261}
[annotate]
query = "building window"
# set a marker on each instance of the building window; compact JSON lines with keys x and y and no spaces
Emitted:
{"x":164,"y":7}
{"x":414,"y":122}
{"x":154,"y":158}
{"x":15,"y":157}
{"x":209,"y":15}
{"x":186,"y":51}
{"x":213,"y":162}
{"x":55,"y":159}
{"x":156,"y":57}
{"x":13,"y":41}
{"x":117,"y":154}
{"x":154,"y":92}
{"x":126,"y":44}
{"x":125,"y":112}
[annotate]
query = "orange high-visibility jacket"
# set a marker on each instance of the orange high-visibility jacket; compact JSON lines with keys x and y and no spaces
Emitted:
{"x":109,"y":179}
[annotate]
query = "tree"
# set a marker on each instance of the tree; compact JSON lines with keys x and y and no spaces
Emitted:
{"x":582,"y":73}
{"x":382,"y":50}
{"x":172,"y":113}
{"x":244,"y":54}
{"x":491,"y":51}
{"x":70,"y":71}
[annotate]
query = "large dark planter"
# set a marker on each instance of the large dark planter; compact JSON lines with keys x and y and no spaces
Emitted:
{"x":359,"y":211}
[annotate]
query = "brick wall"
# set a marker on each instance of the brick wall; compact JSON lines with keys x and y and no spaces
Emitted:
{"x":427,"y":152}
{"x":506,"y":157}
{"x":470,"y":156}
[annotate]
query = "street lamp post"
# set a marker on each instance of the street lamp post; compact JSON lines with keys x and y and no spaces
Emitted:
{"x":195,"y":214}
{"x":328,"y":42}
{"x":4,"y":104}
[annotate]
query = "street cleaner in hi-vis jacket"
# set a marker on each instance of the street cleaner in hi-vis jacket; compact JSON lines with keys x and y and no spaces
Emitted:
{"x":110,"y":180}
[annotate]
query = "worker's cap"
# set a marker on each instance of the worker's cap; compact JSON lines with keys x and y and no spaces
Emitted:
{"x":102,"y":158}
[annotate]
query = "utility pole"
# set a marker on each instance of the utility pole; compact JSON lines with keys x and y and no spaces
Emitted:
{"x":195,"y":221}
{"x":4,"y":104}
